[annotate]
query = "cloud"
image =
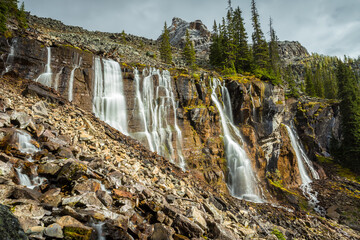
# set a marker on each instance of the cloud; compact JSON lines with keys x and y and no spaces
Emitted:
{"x":325,"y":26}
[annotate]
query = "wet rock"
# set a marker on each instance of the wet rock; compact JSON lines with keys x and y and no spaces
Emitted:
{"x":186,"y":227}
{"x":9,"y":226}
{"x":54,"y":230}
{"x":40,"y":108}
{"x":162,"y":232}
{"x":52,"y":197}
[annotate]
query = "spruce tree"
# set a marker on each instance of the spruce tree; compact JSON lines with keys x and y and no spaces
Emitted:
{"x":242,"y":54}
{"x":22,"y":16}
{"x":165,"y":47}
{"x":188,"y":52}
{"x":215,"y":48}
{"x":350,"y":116}
{"x":274,"y":54}
{"x":260,"y":47}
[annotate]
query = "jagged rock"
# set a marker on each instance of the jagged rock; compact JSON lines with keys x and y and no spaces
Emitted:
{"x":52,"y":197}
{"x":28,"y":212}
{"x":72,"y":171}
{"x":65,"y":152}
{"x":25,"y":193}
{"x":331,"y":212}
{"x":196,"y":215}
{"x":9,"y":226}
{"x":87,"y":199}
{"x":4,"y":120}
{"x":162,"y":232}
{"x":219,"y":232}
{"x":6,"y":170}
{"x":49,"y":168}
{"x":89,"y":185}
{"x":104,"y":197}
{"x":54,"y":230}
{"x":187,"y":227}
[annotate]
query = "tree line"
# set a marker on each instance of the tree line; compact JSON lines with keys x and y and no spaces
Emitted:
{"x":9,"y":9}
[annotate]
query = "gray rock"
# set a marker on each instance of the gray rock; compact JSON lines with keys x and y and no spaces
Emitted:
{"x":88,"y":199}
{"x":40,"y":108}
{"x":187,"y":227}
{"x":21,"y":119}
{"x":54,"y":230}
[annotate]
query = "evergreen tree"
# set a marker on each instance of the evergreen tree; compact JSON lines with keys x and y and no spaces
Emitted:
{"x":290,"y":79}
{"x":274,"y":52}
{"x":165,"y":47}
{"x":215,"y":48}
{"x":309,"y":85}
{"x":188,"y":52}
{"x":242,"y":54}
{"x":22,"y":16}
{"x":350,"y":116}
{"x":260,"y":47}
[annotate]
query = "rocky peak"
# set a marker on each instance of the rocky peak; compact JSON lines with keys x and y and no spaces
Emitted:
{"x":198,"y":32}
{"x":291,"y":51}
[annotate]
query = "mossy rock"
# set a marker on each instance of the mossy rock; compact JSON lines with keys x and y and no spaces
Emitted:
{"x":77,"y":233}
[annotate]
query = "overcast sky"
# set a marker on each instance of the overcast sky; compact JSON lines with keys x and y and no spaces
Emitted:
{"x":330,"y":27}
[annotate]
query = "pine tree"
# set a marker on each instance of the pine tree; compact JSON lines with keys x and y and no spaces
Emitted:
{"x":22,"y":16}
{"x":309,"y":85}
{"x":274,"y":54}
{"x":242,"y":54}
{"x":165,"y":47}
{"x":188,"y":52}
{"x":350,"y":116}
{"x":260,"y":47}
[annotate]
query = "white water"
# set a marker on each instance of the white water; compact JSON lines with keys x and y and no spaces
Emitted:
{"x":57,"y":78}
{"x":99,"y":230}
{"x":10,"y":57}
{"x":242,"y":182}
{"x":46,"y":77}
{"x":24,"y":179}
{"x":156,"y":107}
{"x":109,"y":103}
{"x":77,"y":63}
{"x":306,"y":169}
{"x":24,"y":141}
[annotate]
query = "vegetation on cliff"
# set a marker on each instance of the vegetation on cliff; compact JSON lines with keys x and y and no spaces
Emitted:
{"x":9,"y":9}
{"x":165,"y":47}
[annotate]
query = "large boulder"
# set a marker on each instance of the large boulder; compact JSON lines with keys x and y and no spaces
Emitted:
{"x":9,"y":225}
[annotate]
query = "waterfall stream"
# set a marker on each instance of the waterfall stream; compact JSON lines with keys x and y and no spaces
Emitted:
{"x":99,"y":230}
{"x":242,"y":181}
{"x":77,"y":63}
{"x":10,"y":57}
{"x":109,"y":103}
{"x":156,"y":108}
{"x":306,"y":169}
{"x":46,"y":77}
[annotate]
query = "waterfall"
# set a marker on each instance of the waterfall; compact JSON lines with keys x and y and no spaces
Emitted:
{"x":24,"y":143}
{"x":109,"y":103}
{"x":99,"y":230}
{"x":57,"y":78}
{"x":305,"y":166}
{"x":77,"y":63}
{"x":10,"y":57}
{"x":156,"y":107}
{"x":24,"y":179}
{"x":46,"y":77}
{"x":242,"y":181}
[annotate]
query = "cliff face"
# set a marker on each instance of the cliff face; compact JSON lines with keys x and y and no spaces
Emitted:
{"x":258,"y":109}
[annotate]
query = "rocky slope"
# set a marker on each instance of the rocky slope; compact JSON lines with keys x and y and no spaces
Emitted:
{"x":142,"y":195}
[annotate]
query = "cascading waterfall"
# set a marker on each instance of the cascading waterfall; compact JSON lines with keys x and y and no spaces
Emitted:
{"x":242,"y":181}
{"x":77,"y":63}
{"x":24,"y":143}
{"x":305,"y":166}
{"x":156,"y":107}
{"x":99,"y":230}
{"x":57,"y":78}
{"x":109,"y":103}
{"x":10,"y":57}
{"x":24,"y":179}
{"x":46,"y":77}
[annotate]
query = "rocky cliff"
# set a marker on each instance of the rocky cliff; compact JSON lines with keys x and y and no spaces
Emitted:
{"x":141,"y":194}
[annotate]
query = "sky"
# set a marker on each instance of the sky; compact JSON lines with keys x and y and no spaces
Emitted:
{"x":329,"y":27}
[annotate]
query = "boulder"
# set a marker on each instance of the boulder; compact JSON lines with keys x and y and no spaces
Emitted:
{"x":162,"y":232}
{"x":72,"y":171}
{"x":90,"y":185}
{"x":9,"y":226}
{"x":88,"y":199}
{"x":52,"y":197}
{"x":197,"y":215}
{"x":73,"y":229}
{"x":54,"y":230}
{"x":187,"y":227}
{"x":40,"y":109}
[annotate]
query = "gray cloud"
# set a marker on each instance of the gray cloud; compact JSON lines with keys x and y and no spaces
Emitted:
{"x":329,"y":27}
